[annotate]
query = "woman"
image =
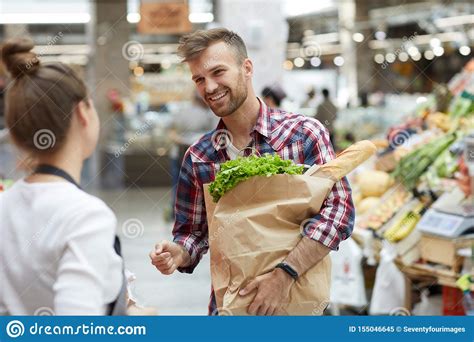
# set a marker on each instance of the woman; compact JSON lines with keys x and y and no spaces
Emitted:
{"x":57,"y":242}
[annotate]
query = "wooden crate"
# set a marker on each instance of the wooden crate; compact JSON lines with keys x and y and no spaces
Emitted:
{"x":440,"y":250}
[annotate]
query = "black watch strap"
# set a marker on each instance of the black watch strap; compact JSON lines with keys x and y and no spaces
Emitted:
{"x":288,"y":269}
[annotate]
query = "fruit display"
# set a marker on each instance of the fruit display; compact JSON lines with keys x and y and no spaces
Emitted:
{"x":366,"y":204}
{"x":439,"y":120}
{"x":387,"y":206}
{"x":404,"y":226}
{"x":421,"y":156}
{"x":373,"y":183}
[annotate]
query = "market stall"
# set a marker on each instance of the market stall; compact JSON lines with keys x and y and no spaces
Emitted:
{"x":410,"y":211}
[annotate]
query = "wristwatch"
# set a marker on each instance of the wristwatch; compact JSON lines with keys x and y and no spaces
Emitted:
{"x":288,"y":269}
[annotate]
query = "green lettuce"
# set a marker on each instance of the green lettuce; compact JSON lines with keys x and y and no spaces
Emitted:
{"x":235,"y":171}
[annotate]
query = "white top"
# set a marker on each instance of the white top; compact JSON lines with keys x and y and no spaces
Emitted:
{"x":232,"y":151}
{"x":56,"y":251}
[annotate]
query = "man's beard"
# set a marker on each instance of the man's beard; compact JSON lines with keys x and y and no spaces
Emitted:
{"x":237,"y":97}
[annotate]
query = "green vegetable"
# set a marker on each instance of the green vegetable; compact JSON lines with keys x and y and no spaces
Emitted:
{"x":462,"y":106}
{"x":445,"y":165}
{"x":235,"y":171}
{"x":412,"y":166}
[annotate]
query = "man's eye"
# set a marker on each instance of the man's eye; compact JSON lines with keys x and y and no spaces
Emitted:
{"x":199,"y":80}
{"x":218,"y":72}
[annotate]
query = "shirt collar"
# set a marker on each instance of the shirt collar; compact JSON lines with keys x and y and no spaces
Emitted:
{"x":262,"y":126}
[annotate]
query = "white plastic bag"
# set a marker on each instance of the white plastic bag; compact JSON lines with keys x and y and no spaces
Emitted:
{"x":429,"y":306}
{"x":347,"y":285}
{"x":388,"y":296}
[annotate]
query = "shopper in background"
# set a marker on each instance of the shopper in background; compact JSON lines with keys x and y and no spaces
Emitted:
{"x":310,"y":101}
{"x":364,"y":99}
{"x":273,"y":96}
{"x":223,"y":75}
{"x":326,"y":113}
{"x":57,"y":242}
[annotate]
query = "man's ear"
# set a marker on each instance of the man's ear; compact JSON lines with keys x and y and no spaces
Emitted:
{"x":248,"y":67}
{"x":81,"y":111}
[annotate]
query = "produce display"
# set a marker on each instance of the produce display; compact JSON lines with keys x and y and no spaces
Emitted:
{"x":421,"y":157}
{"x":382,"y":209}
{"x":374,"y":183}
{"x":413,"y":165}
{"x":404,"y":226}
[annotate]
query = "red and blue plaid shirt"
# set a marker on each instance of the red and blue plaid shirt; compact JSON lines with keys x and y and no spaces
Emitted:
{"x":292,"y":136}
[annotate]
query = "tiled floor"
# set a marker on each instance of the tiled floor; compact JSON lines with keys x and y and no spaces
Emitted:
{"x":177,"y":294}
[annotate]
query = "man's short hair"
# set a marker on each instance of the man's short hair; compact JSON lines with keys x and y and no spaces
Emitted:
{"x":325,"y":92}
{"x":192,"y":44}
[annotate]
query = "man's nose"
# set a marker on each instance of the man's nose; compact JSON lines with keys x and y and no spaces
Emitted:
{"x":211,"y":86}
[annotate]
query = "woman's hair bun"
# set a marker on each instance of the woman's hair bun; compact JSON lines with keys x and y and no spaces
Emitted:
{"x":18,"y":57}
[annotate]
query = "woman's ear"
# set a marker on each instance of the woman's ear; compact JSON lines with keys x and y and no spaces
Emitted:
{"x":82,"y":112}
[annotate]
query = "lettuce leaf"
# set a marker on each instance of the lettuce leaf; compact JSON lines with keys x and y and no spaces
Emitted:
{"x":235,"y":171}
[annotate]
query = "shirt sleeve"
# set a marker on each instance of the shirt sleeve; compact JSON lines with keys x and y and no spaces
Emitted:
{"x":89,"y":272}
{"x":190,"y":228}
{"x":335,"y":221}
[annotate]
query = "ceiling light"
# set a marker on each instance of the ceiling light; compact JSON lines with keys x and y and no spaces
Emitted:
{"x":339,"y":61}
{"x":465,"y":50}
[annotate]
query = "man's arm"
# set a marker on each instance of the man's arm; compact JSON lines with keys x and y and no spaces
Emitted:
{"x":321,"y":234}
{"x":190,"y":229}
{"x":335,"y":220}
{"x":306,"y":254}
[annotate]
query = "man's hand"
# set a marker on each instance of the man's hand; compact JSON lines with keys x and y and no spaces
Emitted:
{"x":168,"y":256}
{"x":272,"y":288}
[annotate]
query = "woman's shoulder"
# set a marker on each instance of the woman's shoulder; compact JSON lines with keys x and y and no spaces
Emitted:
{"x":84,"y":204}
{"x":77,"y":208}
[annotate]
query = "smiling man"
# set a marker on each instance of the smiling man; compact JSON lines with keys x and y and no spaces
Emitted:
{"x":223,"y":74}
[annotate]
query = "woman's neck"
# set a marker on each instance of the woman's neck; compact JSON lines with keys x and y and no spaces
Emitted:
{"x":68,"y":161}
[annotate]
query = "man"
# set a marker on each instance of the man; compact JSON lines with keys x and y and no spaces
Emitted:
{"x":327,"y":113}
{"x":310,"y":99}
{"x":222,"y":73}
{"x":273,"y":95}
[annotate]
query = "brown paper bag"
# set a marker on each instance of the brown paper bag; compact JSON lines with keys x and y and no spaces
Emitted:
{"x":255,"y":225}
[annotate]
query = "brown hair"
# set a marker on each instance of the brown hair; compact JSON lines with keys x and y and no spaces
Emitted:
{"x":41,"y":98}
{"x":191,"y":45}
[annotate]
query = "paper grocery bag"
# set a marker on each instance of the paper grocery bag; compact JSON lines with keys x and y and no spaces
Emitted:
{"x":255,"y":225}
{"x":253,"y":228}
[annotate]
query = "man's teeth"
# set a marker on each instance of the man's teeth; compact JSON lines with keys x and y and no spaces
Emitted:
{"x":217,"y":97}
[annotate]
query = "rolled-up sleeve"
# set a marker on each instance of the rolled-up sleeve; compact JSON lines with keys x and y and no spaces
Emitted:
{"x":335,"y":221}
{"x":190,"y":228}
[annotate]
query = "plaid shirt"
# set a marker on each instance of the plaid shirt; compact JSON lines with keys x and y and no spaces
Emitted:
{"x":292,"y":136}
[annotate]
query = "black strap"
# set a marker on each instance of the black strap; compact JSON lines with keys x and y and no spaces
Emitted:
{"x":47,"y":169}
{"x":55,"y":171}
